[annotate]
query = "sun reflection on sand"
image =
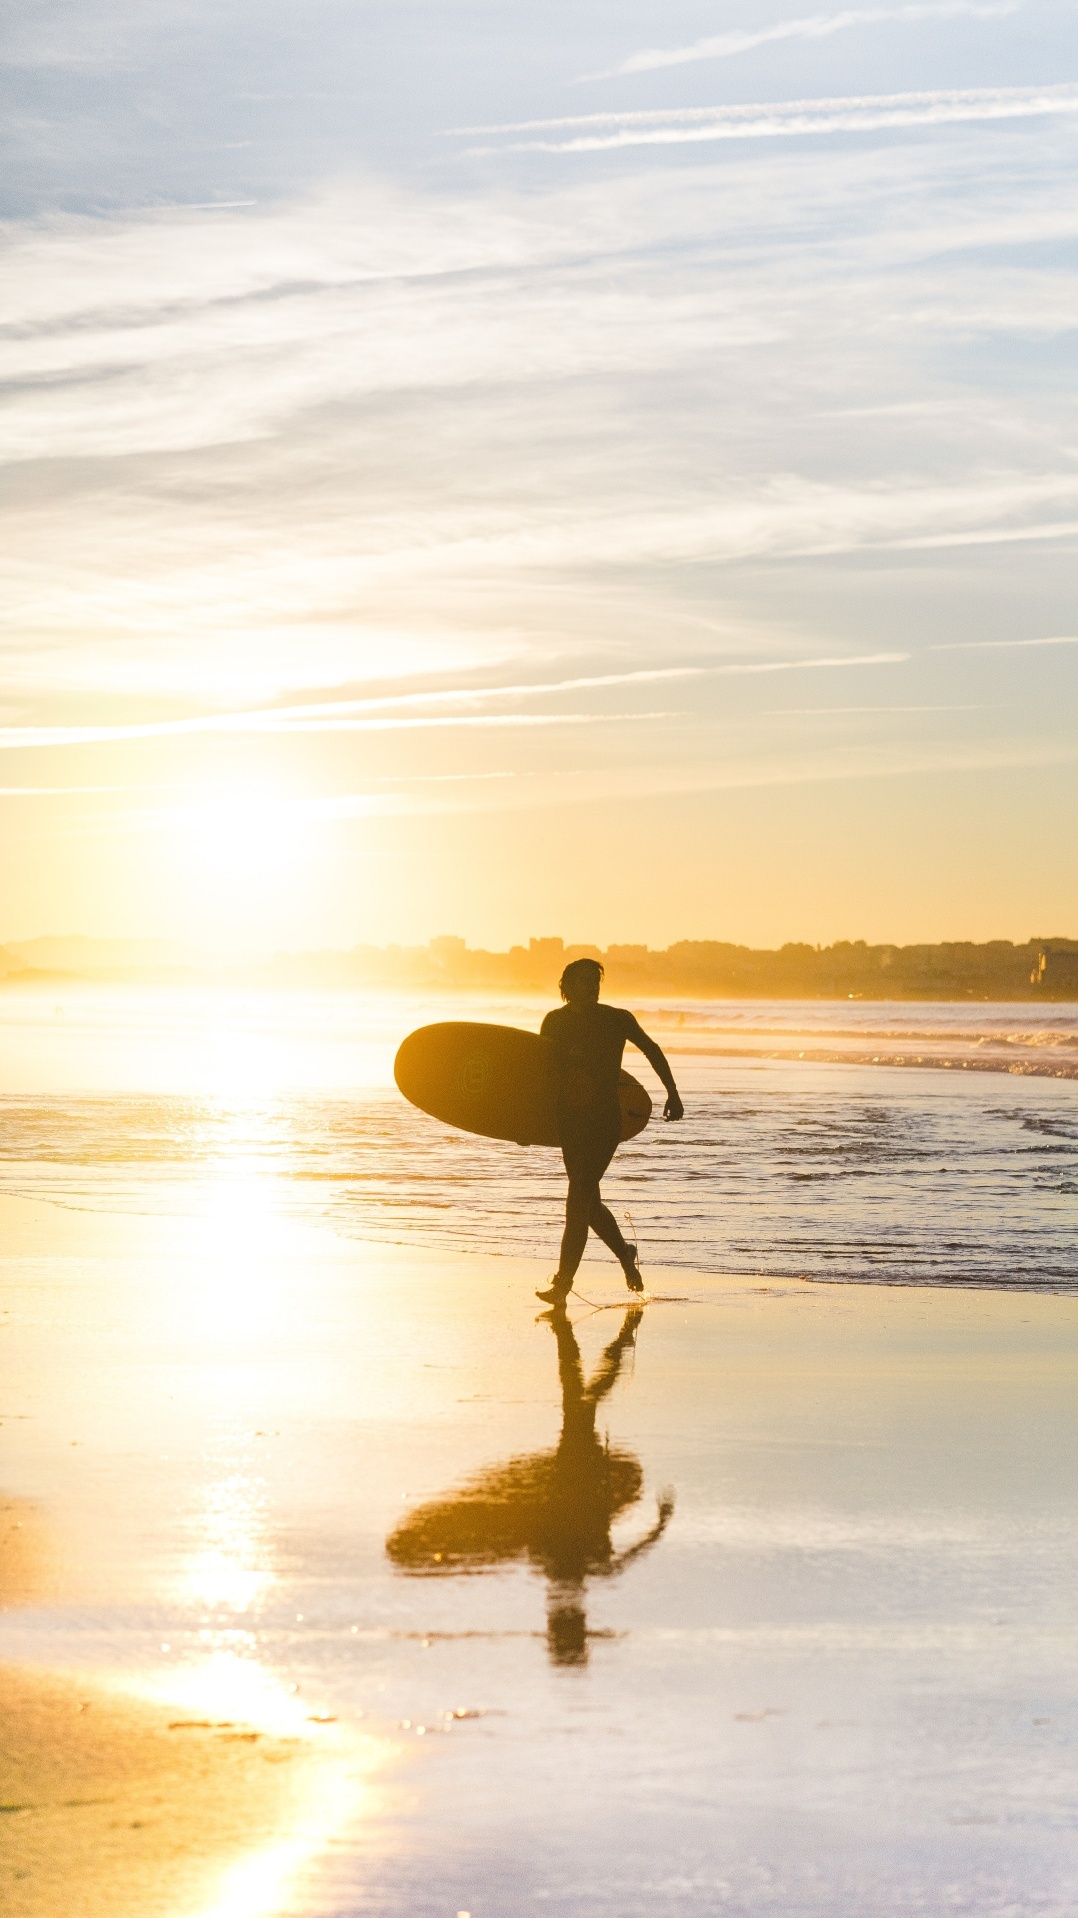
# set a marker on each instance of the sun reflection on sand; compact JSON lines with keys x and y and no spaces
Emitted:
{"x":236,"y":1283}
{"x":143,"y":1802}
{"x":225,"y":1689}
{"x":189,"y":1777}
{"x":233,"y":1697}
{"x":230,"y":1569}
{"x":262,"y":1885}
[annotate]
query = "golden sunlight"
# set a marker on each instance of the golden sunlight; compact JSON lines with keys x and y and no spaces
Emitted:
{"x":242,"y":836}
{"x":239,"y":1229}
{"x":322,"y":1768}
{"x":226,"y":1686}
{"x":230,"y":1567}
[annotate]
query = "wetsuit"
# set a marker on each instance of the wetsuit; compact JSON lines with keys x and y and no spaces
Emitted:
{"x":588,"y":1042}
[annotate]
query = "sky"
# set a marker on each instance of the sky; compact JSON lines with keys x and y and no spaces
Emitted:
{"x":497,"y":470}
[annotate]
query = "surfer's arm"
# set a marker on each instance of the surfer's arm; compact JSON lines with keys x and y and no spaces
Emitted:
{"x":660,"y":1065}
{"x":666,"y":1513}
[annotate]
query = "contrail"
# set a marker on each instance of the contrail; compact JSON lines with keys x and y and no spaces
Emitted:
{"x":813,"y":26}
{"x":785,"y":118}
{"x":990,"y":645}
{"x":356,"y":716}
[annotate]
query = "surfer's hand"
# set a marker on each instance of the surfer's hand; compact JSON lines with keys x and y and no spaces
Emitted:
{"x":673,"y":1109}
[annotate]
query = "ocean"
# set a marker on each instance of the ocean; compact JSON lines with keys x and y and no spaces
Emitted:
{"x":896,"y":1143}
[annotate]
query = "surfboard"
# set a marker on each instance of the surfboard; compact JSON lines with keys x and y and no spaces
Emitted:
{"x":497,"y":1081}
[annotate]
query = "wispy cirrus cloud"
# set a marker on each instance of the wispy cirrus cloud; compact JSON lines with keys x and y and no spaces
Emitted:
{"x":994,"y":645}
{"x":813,"y":26}
{"x":332,"y":405}
{"x":784,"y":119}
{"x":537,"y":436}
{"x":369,"y":716}
{"x":266,"y":723}
{"x":56,"y":792}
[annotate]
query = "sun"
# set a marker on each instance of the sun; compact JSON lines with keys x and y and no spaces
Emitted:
{"x":242,"y":837}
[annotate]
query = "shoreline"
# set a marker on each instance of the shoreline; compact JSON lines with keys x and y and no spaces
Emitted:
{"x":40,"y":979}
{"x":22,"y":1218}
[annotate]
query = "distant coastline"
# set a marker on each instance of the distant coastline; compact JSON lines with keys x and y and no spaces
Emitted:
{"x":1041,"y":969}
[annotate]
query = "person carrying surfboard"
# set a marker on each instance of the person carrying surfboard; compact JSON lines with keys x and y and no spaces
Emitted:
{"x":588,"y":1040}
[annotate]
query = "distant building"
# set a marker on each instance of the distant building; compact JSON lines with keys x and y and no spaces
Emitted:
{"x":448,"y":948}
{"x":1055,"y":972}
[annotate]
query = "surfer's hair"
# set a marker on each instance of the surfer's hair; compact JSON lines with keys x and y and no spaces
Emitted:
{"x":579,"y":973}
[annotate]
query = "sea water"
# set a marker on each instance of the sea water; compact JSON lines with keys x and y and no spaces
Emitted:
{"x":906,"y":1143}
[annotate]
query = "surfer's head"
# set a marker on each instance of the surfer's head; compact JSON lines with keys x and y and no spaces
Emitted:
{"x":580,"y":982}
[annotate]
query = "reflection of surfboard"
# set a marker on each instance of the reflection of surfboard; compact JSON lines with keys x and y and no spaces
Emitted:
{"x":495,"y":1080}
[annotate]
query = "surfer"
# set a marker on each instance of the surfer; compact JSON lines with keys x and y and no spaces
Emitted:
{"x":588,"y":1041}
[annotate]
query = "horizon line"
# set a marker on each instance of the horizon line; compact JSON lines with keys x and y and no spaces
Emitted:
{"x":538,"y":945}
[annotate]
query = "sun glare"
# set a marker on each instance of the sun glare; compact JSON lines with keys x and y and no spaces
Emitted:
{"x":230,"y":1568}
{"x":241,"y":837}
{"x":239,"y":1287}
{"x":328,"y":1784}
{"x":226,"y":1685}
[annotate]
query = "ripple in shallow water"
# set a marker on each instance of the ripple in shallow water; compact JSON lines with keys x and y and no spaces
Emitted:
{"x":840,"y":1172}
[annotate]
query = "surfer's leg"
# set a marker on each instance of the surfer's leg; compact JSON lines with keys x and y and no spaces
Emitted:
{"x":578,"y":1204}
{"x":589,"y":1142}
{"x":573,"y":1240}
{"x":605,"y":1226}
{"x":600,"y":1217}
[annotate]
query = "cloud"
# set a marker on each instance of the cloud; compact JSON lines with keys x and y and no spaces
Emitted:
{"x":365,"y":716}
{"x":744,"y":764}
{"x":17,"y":738}
{"x":54,"y":792}
{"x":802,"y":665}
{"x":815,"y":26}
{"x":821,"y":712}
{"x":993,"y":645}
{"x":785,"y":119}
{"x":377,"y":434}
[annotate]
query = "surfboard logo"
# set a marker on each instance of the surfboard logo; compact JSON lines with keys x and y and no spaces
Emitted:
{"x":475,"y":1075}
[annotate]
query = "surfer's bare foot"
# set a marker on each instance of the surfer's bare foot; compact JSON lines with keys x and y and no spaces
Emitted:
{"x":633,"y":1278}
{"x":556,"y":1293}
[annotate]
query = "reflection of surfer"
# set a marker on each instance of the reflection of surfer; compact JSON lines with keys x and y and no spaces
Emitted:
{"x":554,"y":1508}
{"x":590,"y":1485}
{"x":588,"y":1041}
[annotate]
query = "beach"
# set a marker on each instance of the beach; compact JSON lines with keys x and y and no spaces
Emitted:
{"x":560,"y":520}
{"x":759,"y":1600}
{"x":112,"y":1804}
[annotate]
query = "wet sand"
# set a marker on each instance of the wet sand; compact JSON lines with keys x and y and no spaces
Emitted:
{"x":112,"y":1805}
{"x":761,"y":1601}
